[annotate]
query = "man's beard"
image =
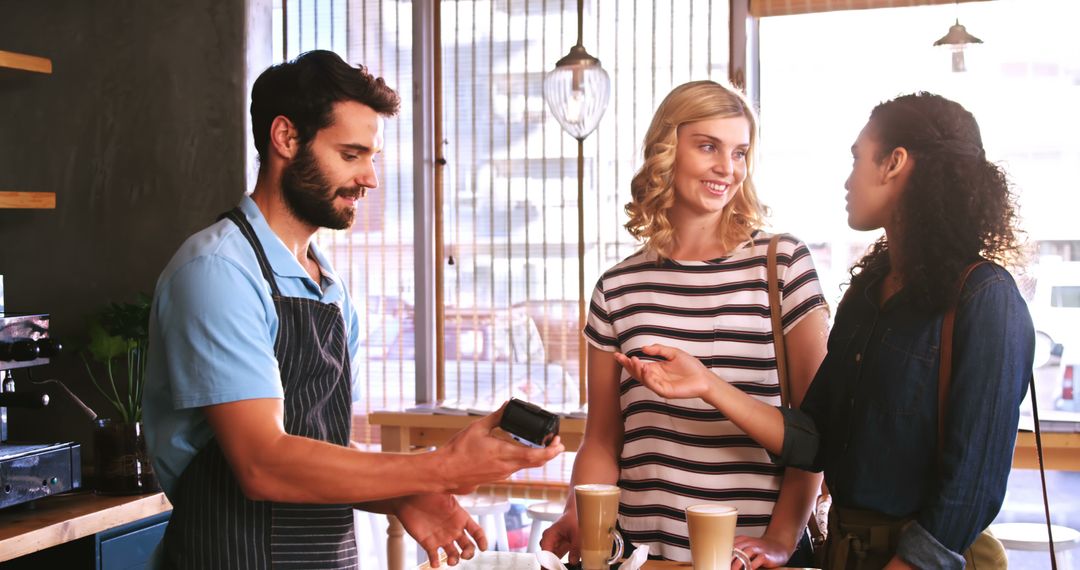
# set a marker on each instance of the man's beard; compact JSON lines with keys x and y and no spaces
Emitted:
{"x":309,"y":196}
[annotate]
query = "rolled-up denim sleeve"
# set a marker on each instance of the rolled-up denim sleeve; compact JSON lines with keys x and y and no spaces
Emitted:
{"x":801,"y":441}
{"x":804,"y":427}
{"x":920,"y":549}
{"x":993,"y":349}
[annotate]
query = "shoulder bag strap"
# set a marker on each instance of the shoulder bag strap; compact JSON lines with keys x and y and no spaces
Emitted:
{"x":817,"y":525}
{"x":777,"y":324}
{"x":945,"y":379}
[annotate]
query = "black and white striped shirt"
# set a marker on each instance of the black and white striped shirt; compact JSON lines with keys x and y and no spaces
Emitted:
{"x":682,"y":452}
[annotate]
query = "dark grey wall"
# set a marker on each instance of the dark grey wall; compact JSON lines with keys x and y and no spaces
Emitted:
{"x":140,"y":132}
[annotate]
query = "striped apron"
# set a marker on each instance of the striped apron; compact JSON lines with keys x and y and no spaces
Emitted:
{"x":213,"y":524}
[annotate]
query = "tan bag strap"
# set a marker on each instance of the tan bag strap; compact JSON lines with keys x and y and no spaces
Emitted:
{"x":945,"y":379}
{"x":777,"y":324}
{"x":817,"y":526}
{"x":945,"y":363}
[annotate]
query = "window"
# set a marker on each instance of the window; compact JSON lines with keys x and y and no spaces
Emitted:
{"x":821,"y":74}
{"x":1021,"y":84}
{"x":375,"y":256}
{"x":510,"y":269}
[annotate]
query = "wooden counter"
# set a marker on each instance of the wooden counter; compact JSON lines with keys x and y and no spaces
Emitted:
{"x":63,"y":518}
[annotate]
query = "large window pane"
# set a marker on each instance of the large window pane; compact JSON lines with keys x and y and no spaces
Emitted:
{"x":510,"y":192}
{"x":822,"y":73}
{"x":375,"y":256}
{"x":820,"y":76}
{"x":511,"y":229}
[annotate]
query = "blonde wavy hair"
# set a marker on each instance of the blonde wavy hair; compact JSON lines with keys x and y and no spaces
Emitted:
{"x":652,"y":190}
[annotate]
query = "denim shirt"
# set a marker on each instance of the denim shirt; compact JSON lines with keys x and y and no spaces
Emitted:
{"x":869,"y":419}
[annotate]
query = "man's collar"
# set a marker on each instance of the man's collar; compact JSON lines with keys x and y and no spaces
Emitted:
{"x":281,"y":259}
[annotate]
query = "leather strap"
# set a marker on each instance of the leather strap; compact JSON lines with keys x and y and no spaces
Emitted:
{"x":817,"y":527}
{"x":945,"y":379}
{"x":777,"y":324}
{"x":945,"y":363}
{"x":1042,"y":471}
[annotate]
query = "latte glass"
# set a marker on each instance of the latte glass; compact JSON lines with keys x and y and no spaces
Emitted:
{"x":597,"y":509}
{"x":712,"y":537}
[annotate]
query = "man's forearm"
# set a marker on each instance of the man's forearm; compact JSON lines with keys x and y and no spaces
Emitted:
{"x":302,"y":470}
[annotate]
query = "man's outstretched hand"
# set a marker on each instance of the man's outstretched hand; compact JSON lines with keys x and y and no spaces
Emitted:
{"x":436,"y":520}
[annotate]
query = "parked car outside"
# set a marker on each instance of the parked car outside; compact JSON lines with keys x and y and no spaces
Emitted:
{"x":1055,"y":310}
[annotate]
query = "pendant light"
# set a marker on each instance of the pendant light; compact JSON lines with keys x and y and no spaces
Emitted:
{"x":576,"y":92}
{"x":957,"y":38}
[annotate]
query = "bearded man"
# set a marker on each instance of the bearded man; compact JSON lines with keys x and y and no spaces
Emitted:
{"x":253,"y":346}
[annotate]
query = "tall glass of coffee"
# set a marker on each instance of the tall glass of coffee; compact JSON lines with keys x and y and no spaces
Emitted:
{"x":712,"y":537}
{"x":597,"y":509}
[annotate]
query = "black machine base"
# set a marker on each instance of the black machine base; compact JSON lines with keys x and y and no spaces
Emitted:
{"x":33,"y":471}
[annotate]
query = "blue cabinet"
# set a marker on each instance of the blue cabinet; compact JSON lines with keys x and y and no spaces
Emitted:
{"x":129,"y":547}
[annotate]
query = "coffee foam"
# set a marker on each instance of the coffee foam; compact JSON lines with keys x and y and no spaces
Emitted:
{"x":597,"y":489}
{"x":711,"y":509}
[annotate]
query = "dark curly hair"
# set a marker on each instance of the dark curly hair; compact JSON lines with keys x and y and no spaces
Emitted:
{"x":305,"y":89}
{"x":957,"y":206}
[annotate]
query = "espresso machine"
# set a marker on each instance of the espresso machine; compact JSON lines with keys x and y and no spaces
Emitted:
{"x":29,"y":471}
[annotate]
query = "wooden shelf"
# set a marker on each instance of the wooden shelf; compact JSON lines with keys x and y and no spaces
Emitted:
{"x":21,"y":61}
{"x":63,"y":518}
{"x":28,"y":200}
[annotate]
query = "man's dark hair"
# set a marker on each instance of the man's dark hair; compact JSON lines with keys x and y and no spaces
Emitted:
{"x":305,"y":90}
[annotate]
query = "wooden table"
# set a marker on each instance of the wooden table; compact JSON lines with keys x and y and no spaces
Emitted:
{"x":1061,"y":451}
{"x":63,"y":518}
{"x":404,"y":432}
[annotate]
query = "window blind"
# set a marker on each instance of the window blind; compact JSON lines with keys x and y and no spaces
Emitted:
{"x":510,"y":184}
{"x":510,"y":190}
{"x":375,"y":256}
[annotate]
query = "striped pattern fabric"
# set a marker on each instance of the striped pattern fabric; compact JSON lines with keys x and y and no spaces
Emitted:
{"x":678,"y":453}
{"x":314,"y":360}
{"x":214,"y":525}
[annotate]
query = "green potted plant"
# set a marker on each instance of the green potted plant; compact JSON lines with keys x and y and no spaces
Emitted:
{"x":115,"y":359}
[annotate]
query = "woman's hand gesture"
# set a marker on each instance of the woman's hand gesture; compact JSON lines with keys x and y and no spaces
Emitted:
{"x":675,"y":375}
{"x":562,"y":537}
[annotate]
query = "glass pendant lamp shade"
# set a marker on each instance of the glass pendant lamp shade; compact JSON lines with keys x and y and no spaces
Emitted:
{"x":576,"y":92}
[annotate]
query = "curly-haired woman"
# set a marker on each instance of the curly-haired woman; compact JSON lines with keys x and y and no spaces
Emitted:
{"x":870,"y":417}
{"x":699,"y":283}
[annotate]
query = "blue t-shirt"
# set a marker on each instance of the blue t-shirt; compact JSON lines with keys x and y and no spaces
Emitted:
{"x":212,"y":332}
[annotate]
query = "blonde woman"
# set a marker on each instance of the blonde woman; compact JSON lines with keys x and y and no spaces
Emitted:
{"x":699,"y":283}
